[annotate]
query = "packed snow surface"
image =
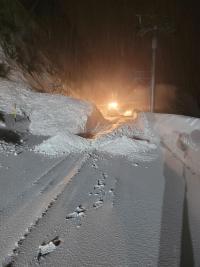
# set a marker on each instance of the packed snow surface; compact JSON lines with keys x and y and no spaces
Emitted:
{"x":110,"y":200}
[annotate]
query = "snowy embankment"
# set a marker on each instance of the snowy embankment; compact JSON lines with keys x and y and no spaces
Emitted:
{"x":181,"y":135}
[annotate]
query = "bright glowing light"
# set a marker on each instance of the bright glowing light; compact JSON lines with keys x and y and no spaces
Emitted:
{"x":113,"y":105}
{"x":128,"y":113}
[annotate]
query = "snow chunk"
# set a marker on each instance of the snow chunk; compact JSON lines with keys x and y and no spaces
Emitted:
{"x":46,"y":249}
{"x":2,"y":124}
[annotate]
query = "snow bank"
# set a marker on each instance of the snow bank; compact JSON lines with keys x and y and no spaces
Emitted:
{"x":49,"y":115}
{"x":181,"y":135}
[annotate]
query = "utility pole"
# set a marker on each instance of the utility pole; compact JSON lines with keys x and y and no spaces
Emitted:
{"x":153,"y":24}
{"x":153,"y":68}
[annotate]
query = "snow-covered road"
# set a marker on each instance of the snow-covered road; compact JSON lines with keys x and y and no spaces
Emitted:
{"x":120,"y":224}
{"x":132,"y":213}
{"x":128,"y":197}
{"x":29,"y":183}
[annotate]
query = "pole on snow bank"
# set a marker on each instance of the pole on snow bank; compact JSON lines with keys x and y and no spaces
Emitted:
{"x":153,"y":24}
{"x":153,"y":70}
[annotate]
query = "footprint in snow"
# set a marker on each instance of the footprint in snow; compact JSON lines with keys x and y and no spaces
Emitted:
{"x":47,"y":248}
{"x":100,"y":185}
{"x":94,"y":165}
{"x":135,"y":164}
{"x":98,"y":203}
{"x":79,"y":212}
{"x":105,"y":175}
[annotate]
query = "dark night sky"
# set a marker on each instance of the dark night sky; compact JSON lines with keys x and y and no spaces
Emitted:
{"x":103,"y":36}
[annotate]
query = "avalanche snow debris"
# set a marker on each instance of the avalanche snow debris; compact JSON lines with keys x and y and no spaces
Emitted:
{"x":49,"y":115}
{"x":62,"y":118}
{"x":118,"y":142}
{"x":63,"y":144}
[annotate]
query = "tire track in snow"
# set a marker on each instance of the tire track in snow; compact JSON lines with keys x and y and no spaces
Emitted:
{"x":16,"y":226}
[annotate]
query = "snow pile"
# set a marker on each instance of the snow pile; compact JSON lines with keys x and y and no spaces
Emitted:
{"x":61,"y":118}
{"x":139,"y":129}
{"x":49,"y":115}
{"x":65,"y":143}
{"x":133,"y":140}
{"x":133,"y":149}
